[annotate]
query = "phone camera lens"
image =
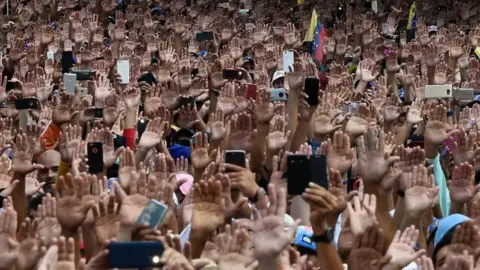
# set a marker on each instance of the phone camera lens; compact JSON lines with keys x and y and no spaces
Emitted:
{"x":94,"y":150}
{"x":280,"y":94}
{"x":31,"y":103}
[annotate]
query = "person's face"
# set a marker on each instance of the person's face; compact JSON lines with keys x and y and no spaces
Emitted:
{"x":441,"y":256}
{"x":278,"y":83}
{"x":50,"y":161}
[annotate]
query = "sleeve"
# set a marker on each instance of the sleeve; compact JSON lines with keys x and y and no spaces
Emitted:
{"x":441,"y":182}
{"x":63,"y":169}
{"x":50,"y":136}
{"x":129,"y":135}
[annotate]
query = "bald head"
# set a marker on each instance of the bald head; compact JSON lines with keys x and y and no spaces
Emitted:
{"x":50,"y":160}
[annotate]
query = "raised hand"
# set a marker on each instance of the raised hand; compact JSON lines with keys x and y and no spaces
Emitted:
{"x":199,"y":155}
{"x":227,"y":101}
{"x":278,"y":135}
{"x":70,"y":139}
{"x":241,"y":132}
{"x":465,"y":238}
{"x":270,"y":237}
{"x":368,"y":249}
{"x":72,"y":209}
{"x":436,"y":130}
{"x":401,"y":249}
{"x":127,"y":166}
{"x":62,"y":110}
{"x":263,"y":107}
{"x":153,"y":133}
{"x":8,"y":242}
{"x":339,"y":153}
{"x":422,"y":194}
{"x":461,"y":186}
{"x":132,"y":205}
{"x":216,"y":123}
{"x":373,"y":165}
{"x":22,"y":159}
{"x":66,"y":254}
{"x":209,"y":209}
{"x":31,"y":247}
{"x":414,"y":115}
{"x":48,"y":226}
{"x":465,"y":150}
{"x":107,"y":219}
{"x":323,"y":118}
{"x":362,"y":215}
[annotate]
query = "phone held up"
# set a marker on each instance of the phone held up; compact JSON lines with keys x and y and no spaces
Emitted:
{"x":302,"y":169}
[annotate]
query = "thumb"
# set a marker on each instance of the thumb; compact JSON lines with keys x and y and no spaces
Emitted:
{"x":7,"y":191}
{"x":118,"y":151}
{"x":417,"y":255}
{"x":392,"y":160}
{"x":452,"y":132}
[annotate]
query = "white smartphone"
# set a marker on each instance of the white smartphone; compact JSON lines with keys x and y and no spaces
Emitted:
{"x":438,"y":91}
{"x":287,"y":60}
{"x":69,"y":82}
{"x":123,"y":68}
{"x":51,"y":55}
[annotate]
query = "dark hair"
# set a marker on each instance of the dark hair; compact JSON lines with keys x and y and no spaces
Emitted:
{"x":446,"y":240}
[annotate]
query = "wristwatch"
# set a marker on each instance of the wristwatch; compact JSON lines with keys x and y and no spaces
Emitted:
{"x":326,"y":237}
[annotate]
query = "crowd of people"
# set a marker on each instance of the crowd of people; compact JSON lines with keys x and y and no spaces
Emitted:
{"x":178,"y":124}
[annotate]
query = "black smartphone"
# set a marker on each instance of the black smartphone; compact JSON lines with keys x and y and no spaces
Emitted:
{"x":83,"y":74}
{"x":318,"y":169}
{"x":67,"y":61}
{"x":148,"y":78}
{"x":98,"y":112}
{"x":350,"y":181}
{"x":194,"y":71}
{"x":298,"y":174}
{"x":235,"y":157}
{"x":205,"y":36}
{"x":27,"y":103}
{"x":95,"y":157}
{"x":141,"y":126}
{"x":312,"y":86}
{"x":410,"y":35}
{"x":232,"y":74}
{"x":186,"y":101}
{"x":135,"y":254}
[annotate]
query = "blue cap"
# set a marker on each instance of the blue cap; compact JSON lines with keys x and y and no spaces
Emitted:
{"x":446,"y":224}
{"x":303,"y":238}
{"x":202,"y":54}
{"x":178,"y":151}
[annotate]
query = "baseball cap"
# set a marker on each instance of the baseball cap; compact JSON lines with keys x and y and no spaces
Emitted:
{"x":445,"y":228}
{"x":185,"y":187}
{"x":278,"y":74}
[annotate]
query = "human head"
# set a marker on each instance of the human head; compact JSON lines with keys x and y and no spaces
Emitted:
{"x":443,"y":237}
{"x":50,"y":160}
{"x":278,"y":79}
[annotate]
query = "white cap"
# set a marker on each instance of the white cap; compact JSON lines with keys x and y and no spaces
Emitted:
{"x":278,"y":74}
{"x":432,"y":28}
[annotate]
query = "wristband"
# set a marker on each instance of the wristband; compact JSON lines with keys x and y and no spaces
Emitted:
{"x":449,"y":113}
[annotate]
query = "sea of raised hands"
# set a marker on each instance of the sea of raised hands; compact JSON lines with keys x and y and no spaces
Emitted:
{"x":401,"y":192}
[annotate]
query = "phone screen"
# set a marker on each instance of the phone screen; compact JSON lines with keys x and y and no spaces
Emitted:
{"x":152,"y":214}
{"x":123,"y":68}
{"x":204,"y":36}
{"x":67,"y":61}
{"x":70,"y":82}
{"x":312,"y":86}
{"x":235,"y":157}
{"x":298,"y":174}
{"x":287,"y":60}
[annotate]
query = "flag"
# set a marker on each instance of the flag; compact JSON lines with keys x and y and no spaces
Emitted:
{"x":412,"y":17}
{"x":300,"y":2}
{"x":313,"y":25}
{"x":318,"y":42}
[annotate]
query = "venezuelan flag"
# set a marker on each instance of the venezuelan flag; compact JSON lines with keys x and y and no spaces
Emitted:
{"x":318,"y":41}
{"x":313,"y":26}
{"x":412,"y":17}
{"x":300,"y":2}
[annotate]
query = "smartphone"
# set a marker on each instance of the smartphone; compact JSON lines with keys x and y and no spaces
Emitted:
{"x":438,"y":91}
{"x":95,"y":157}
{"x":318,"y":169}
{"x":141,"y":126}
{"x":98,"y":112}
{"x":251,"y":91}
{"x":51,"y":55}
{"x":83,"y":74}
{"x":350,"y":107}
{"x":235,"y":157}
{"x":244,"y":12}
{"x":148,"y":78}
{"x":464,"y":94}
{"x":232,"y":74}
{"x":350,"y":181}
{"x":298,"y":174}
{"x":135,"y":254}
{"x":312,"y":86}
{"x":278,"y":94}
{"x":410,"y":35}
{"x":27,"y":103}
{"x":70,"y":82}
{"x":205,"y":36}
{"x":67,"y":61}
{"x":123,"y":68}
{"x":153,"y":214}
{"x":287,"y":60}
